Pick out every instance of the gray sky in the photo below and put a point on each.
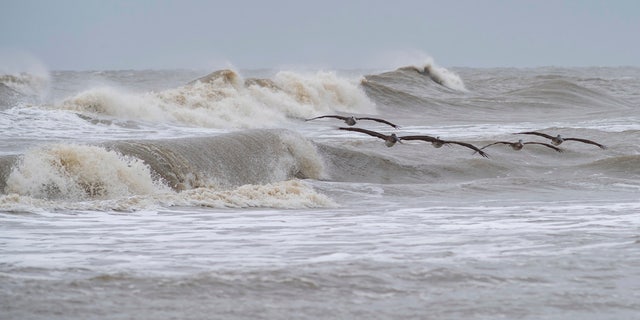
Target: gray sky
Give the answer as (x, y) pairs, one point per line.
(142, 34)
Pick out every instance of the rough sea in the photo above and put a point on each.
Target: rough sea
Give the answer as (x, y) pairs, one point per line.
(191, 194)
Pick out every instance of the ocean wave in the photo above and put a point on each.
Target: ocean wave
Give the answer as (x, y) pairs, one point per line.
(249, 157)
(79, 172)
(439, 75)
(122, 169)
(421, 77)
(413, 86)
(9, 97)
(563, 93)
(389, 96)
(625, 165)
(26, 83)
(347, 165)
(22, 88)
(155, 171)
(224, 161)
(223, 99)
(425, 165)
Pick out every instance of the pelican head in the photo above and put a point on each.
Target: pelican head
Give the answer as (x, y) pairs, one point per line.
(518, 145)
(557, 140)
(437, 143)
(391, 140)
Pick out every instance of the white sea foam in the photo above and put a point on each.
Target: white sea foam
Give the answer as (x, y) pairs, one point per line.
(79, 172)
(290, 194)
(441, 75)
(82, 177)
(226, 102)
(284, 194)
(117, 103)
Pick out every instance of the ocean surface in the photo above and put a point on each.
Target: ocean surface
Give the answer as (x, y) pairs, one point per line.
(204, 194)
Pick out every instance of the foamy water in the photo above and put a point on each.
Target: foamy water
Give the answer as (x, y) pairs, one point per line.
(182, 194)
(225, 100)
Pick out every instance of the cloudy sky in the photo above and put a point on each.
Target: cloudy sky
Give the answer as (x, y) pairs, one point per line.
(343, 34)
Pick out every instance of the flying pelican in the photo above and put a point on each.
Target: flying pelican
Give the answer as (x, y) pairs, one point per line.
(557, 140)
(352, 120)
(389, 140)
(519, 145)
(437, 143)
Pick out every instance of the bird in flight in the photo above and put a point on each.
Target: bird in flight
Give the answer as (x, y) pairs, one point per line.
(351, 120)
(557, 140)
(437, 143)
(389, 140)
(392, 139)
(518, 145)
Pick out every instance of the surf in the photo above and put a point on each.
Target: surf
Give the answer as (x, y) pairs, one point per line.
(223, 99)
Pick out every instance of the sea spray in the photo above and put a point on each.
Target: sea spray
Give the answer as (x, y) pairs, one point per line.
(80, 172)
(223, 100)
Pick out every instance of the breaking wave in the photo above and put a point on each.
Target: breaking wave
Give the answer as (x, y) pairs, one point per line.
(22, 88)
(258, 168)
(439, 75)
(223, 99)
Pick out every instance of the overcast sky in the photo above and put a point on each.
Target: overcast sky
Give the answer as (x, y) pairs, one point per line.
(146, 34)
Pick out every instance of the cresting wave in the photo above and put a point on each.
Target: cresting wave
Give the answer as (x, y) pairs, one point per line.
(248, 169)
(223, 99)
(226, 161)
(419, 77)
(414, 88)
(26, 83)
(22, 88)
(439, 75)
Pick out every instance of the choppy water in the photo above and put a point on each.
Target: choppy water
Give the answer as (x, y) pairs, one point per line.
(148, 195)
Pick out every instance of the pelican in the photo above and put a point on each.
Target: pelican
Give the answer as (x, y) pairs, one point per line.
(352, 120)
(519, 145)
(437, 143)
(389, 140)
(557, 140)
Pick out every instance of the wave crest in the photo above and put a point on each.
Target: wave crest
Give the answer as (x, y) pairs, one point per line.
(23, 88)
(257, 168)
(439, 75)
(223, 99)
(78, 172)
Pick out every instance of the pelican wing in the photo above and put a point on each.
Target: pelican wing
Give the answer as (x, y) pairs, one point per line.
(537, 134)
(546, 145)
(586, 141)
(497, 142)
(369, 132)
(423, 138)
(470, 146)
(328, 116)
(378, 120)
